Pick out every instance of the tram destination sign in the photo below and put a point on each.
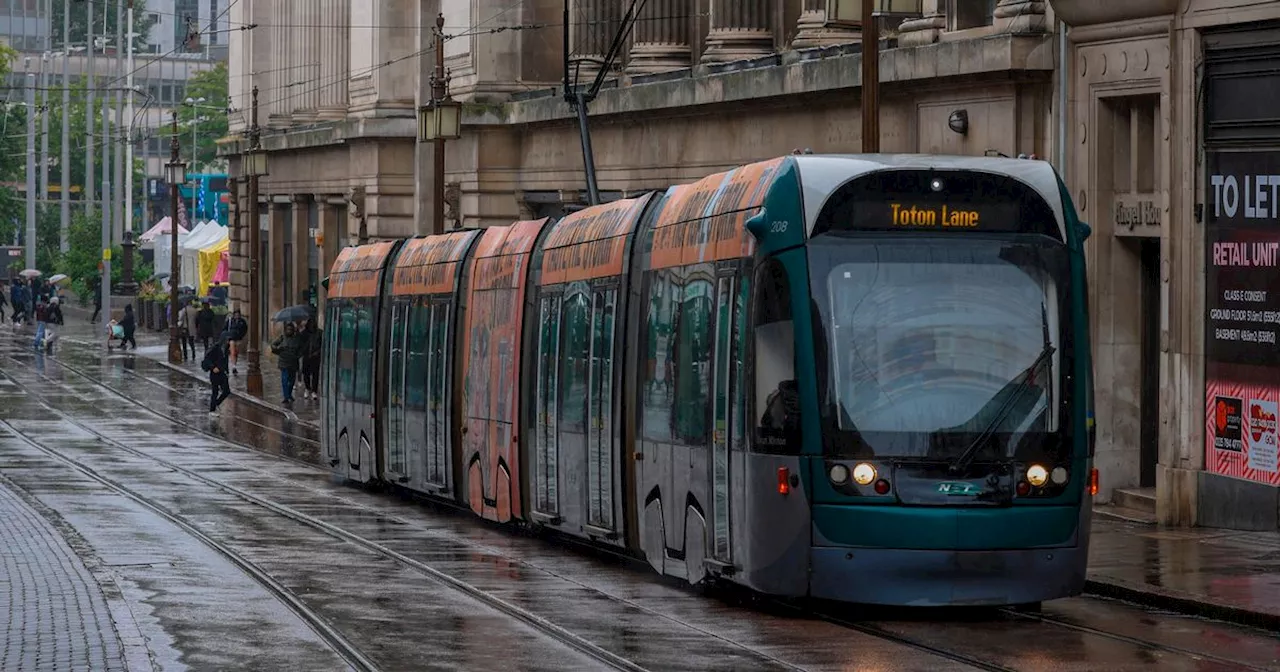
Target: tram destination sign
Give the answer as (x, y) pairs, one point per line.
(958, 215)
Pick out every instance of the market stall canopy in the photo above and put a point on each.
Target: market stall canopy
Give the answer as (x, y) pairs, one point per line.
(211, 259)
(161, 228)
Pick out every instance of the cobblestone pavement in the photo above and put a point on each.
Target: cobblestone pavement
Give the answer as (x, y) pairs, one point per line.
(55, 614)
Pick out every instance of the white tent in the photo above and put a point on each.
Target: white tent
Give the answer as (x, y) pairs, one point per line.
(204, 236)
(158, 233)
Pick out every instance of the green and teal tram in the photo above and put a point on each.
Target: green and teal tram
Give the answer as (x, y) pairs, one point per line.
(856, 378)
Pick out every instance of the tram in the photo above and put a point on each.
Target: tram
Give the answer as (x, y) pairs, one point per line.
(859, 378)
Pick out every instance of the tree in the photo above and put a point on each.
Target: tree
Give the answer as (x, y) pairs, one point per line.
(210, 117)
(79, 22)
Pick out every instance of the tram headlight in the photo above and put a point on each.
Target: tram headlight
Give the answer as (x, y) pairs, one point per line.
(1059, 475)
(1037, 475)
(839, 474)
(937, 184)
(864, 473)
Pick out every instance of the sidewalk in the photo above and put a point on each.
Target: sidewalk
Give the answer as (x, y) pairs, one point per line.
(1223, 574)
(55, 614)
(155, 345)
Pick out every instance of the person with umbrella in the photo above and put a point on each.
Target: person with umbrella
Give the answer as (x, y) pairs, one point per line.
(288, 350)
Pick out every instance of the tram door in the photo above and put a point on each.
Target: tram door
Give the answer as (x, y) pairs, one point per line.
(722, 403)
(600, 434)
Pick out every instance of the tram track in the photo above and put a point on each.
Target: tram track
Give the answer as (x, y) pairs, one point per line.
(867, 628)
(547, 627)
(331, 636)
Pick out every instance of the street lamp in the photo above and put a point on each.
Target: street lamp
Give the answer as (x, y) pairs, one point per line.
(193, 103)
(253, 163)
(439, 120)
(175, 173)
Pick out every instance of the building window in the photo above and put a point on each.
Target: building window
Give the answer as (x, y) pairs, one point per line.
(213, 21)
(965, 14)
(186, 12)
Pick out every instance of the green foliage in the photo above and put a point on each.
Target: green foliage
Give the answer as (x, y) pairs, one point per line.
(210, 117)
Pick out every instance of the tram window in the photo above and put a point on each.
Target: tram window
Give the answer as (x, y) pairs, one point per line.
(574, 354)
(694, 349)
(658, 390)
(776, 393)
(416, 374)
(364, 354)
(347, 352)
(739, 389)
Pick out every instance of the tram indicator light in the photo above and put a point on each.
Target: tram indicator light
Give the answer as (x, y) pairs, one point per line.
(784, 481)
(1093, 481)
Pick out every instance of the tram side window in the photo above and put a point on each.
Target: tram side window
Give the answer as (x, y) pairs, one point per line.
(346, 352)
(574, 356)
(662, 307)
(416, 371)
(364, 354)
(777, 401)
(694, 348)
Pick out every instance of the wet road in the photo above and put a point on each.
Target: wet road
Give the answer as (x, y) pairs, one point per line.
(237, 556)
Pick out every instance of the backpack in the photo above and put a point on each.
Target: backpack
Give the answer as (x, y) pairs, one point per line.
(209, 362)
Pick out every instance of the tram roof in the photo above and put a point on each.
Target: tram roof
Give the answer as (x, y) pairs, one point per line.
(820, 175)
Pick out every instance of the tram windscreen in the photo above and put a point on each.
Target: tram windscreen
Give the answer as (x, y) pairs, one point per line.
(927, 345)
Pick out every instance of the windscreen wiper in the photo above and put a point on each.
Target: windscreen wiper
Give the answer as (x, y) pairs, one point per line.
(1028, 381)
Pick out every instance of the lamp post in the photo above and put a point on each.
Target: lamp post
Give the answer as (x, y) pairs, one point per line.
(127, 286)
(176, 174)
(254, 165)
(194, 103)
(842, 11)
(439, 120)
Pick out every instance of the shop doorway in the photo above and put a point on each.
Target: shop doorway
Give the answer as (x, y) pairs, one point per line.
(1149, 390)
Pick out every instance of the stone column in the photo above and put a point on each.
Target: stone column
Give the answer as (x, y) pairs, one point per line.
(334, 57)
(595, 22)
(306, 56)
(661, 38)
(329, 249)
(274, 280)
(1021, 16)
(812, 30)
(302, 242)
(740, 29)
(927, 29)
(281, 98)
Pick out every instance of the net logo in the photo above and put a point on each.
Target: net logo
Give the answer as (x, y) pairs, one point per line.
(1228, 423)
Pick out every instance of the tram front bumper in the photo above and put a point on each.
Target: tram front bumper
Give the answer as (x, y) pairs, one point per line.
(942, 578)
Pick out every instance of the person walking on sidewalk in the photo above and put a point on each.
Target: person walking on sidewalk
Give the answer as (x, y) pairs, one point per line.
(204, 324)
(288, 350)
(235, 331)
(17, 297)
(215, 362)
(128, 325)
(41, 317)
(311, 342)
(3, 302)
(186, 335)
(95, 287)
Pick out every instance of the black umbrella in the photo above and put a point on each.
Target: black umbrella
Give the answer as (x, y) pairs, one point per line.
(299, 313)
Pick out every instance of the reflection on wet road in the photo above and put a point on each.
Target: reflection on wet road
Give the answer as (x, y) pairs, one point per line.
(371, 565)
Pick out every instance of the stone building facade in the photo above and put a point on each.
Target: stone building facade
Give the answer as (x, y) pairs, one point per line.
(1172, 146)
(700, 86)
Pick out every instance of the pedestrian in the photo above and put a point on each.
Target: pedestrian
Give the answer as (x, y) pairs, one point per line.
(186, 335)
(311, 342)
(235, 331)
(18, 299)
(95, 286)
(3, 302)
(128, 325)
(288, 352)
(41, 316)
(215, 362)
(204, 324)
(52, 316)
